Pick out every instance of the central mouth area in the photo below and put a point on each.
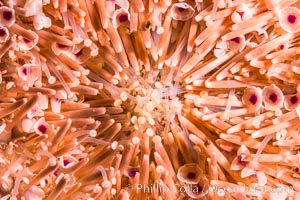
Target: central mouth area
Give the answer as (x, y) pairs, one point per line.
(151, 99)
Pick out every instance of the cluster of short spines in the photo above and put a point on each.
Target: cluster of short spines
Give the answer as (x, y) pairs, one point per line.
(143, 92)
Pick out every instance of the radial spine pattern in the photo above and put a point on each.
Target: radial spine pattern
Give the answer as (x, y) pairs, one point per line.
(148, 99)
